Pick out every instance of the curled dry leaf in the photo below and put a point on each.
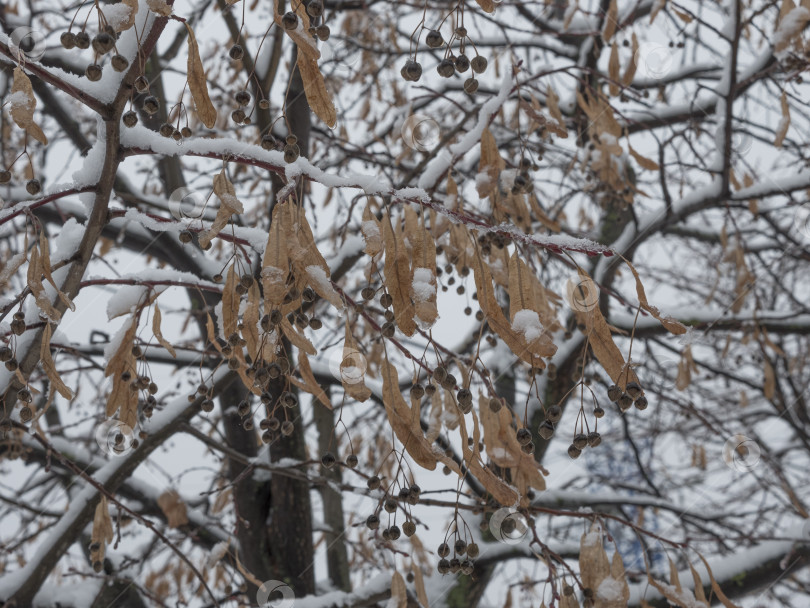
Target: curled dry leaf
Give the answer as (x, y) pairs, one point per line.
(102, 528)
(372, 234)
(23, 104)
(405, 420)
(613, 70)
(34, 281)
(611, 21)
(398, 276)
(552, 102)
(229, 205)
(399, 593)
(250, 321)
(670, 324)
(315, 89)
(45, 262)
(630, 71)
(160, 7)
(487, 5)
(121, 397)
(156, 321)
(784, 123)
(309, 384)
(49, 366)
(275, 263)
(423, 287)
(490, 166)
(197, 83)
(173, 508)
(604, 348)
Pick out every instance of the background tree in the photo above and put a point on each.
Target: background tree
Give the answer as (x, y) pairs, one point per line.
(346, 303)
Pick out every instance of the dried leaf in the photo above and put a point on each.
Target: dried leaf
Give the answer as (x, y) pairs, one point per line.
(643, 161)
(160, 7)
(122, 25)
(670, 324)
(298, 340)
(122, 399)
(611, 21)
(769, 384)
(311, 385)
(197, 82)
(399, 593)
(230, 303)
(398, 277)
(419, 583)
(552, 102)
(229, 205)
(156, 320)
(173, 508)
(315, 89)
(250, 321)
(656, 8)
(613, 70)
(630, 71)
(45, 261)
(371, 232)
(716, 587)
(487, 5)
(275, 263)
(49, 366)
(404, 419)
(490, 165)
(102, 523)
(784, 124)
(23, 104)
(593, 561)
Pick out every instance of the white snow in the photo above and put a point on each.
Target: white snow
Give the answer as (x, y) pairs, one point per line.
(423, 286)
(527, 322)
(610, 590)
(790, 25)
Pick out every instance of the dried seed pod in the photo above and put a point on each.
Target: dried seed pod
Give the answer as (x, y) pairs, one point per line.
(446, 68)
(372, 522)
(130, 119)
(641, 403)
(322, 32)
(470, 86)
(412, 70)
(5, 176)
(594, 439)
(151, 104)
(351, 461)
(462, 63)
(6, 354)
(625, 402)
(141, 84)
(417, 392)
(434, 39)
(373, 482)
(634, 390)
(409, 528)
(545, 430)
(465, 400)
(119, 63)
(207, 405)
(478, 64)
(83, 40)
(574, 452)
(598, 412)
(523, 436)
(394, 532)
(580, 440)
(444, 550)
(289, 21)
(495, 405)
(328, 460)
(614, 392)
(390, 505)
(443, 566)
(242, 97)
(93, 72)
(287, 428)
(68, 40)
(315, 8)
(554, 414)
(103, 43)
(33, 187)
(166, 130)
(236, 52)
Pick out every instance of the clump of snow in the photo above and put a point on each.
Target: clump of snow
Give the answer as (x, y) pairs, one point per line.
(117, 14)
(423, 286)
(527, 322)
(789, 26)
(20, 100)
(126, 300)
(370, 230)
(319, 280)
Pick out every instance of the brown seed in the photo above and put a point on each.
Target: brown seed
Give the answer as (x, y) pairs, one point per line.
(93, 72)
